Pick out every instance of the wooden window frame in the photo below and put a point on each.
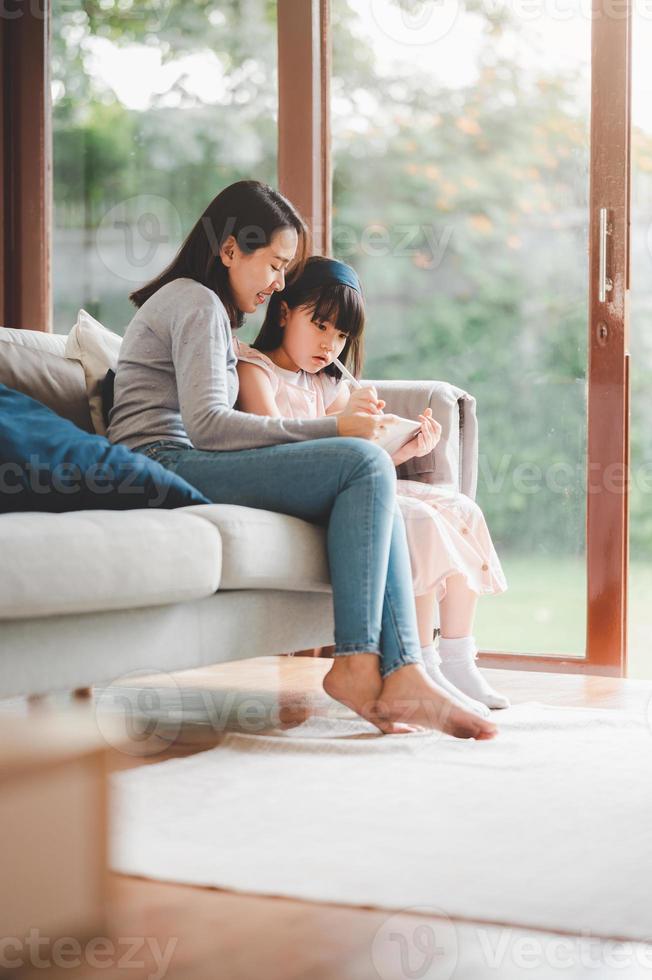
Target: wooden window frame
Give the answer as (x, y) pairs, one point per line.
(25, 166)
(305, 176)
(304, 157)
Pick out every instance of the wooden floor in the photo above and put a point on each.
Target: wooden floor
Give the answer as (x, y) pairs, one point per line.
(242, 937)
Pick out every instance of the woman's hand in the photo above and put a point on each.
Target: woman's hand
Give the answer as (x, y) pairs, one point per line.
(364, 400)
(423, 443)
(363, 425)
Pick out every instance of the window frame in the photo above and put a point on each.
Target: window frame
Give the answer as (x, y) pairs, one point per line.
(26, 167)
(304, 150)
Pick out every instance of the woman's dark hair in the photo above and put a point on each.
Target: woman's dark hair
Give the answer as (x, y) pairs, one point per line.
(328, 301)
(250, 211)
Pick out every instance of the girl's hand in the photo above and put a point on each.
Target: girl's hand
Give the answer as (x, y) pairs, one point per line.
(363, 425)
(364, 400)
(423, 443)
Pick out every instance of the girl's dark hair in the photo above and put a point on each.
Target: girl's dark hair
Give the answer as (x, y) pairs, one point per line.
(328, 301)
(250, 211)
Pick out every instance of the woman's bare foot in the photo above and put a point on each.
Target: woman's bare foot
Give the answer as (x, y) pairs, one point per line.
(408, 695)
(355, 682)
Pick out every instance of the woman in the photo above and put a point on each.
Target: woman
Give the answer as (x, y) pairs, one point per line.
(175, 388)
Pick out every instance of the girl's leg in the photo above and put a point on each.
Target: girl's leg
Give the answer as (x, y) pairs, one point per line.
(457, 649)
(348, 486)
(454, 614)
(426, 617)
(457, 608)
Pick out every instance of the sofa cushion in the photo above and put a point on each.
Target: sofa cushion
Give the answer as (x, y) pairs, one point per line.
(97, 349)
(33, 363)
(92, 561)
(39, 340)
(264, 550)
(48, 464)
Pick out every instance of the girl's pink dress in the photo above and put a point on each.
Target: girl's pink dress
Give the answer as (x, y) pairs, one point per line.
(446, 530)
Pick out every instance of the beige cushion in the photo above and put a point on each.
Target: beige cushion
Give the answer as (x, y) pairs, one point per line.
(53, 343)
(97, 349)
(30, 362)
(90, 561)
(263, 550)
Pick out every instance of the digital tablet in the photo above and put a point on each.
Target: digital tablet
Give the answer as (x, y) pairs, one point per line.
(397, 434)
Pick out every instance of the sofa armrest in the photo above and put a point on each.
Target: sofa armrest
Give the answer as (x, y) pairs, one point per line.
(454, 461)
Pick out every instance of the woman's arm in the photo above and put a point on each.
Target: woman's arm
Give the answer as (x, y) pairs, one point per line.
(200, 351)
(257, 396)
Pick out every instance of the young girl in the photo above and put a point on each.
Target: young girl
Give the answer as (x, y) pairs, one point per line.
(289, 372)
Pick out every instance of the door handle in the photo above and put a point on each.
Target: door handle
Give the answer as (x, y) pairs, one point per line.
(605, 284)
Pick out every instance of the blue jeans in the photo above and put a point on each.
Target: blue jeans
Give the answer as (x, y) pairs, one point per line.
(347, 486)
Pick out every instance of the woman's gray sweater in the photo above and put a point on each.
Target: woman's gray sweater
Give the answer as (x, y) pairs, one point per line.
(177, 380)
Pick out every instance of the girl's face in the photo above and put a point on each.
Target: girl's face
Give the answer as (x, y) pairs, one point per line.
(308, 345)
(255, 276)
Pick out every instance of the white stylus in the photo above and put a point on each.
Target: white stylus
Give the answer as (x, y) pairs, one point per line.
(347, 374)
(394, 419)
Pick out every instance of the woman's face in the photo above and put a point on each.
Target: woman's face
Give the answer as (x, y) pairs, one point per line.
(308, 345)
(255, 276)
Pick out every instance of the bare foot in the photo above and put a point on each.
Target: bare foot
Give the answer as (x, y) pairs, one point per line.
(355, 682)
(408, 695)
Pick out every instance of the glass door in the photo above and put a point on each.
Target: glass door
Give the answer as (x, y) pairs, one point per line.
(640, 569)
(462, 165)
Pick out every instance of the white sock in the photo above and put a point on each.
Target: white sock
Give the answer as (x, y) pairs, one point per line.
(431, 661)
(459, 667)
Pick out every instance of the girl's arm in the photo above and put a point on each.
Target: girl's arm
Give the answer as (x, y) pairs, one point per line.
(359, 400)
(256, 395)
(340, 402)
(423, 443)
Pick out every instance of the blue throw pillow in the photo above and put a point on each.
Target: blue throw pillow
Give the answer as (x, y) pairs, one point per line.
(48, 464)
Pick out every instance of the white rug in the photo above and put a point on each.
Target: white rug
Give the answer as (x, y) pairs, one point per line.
(547, 826)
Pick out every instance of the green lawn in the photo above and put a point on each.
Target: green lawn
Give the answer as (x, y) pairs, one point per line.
(543, 611)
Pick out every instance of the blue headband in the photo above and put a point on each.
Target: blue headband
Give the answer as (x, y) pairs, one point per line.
(328, 270)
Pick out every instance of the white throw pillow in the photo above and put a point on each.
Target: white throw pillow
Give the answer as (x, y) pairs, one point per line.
(97, 348)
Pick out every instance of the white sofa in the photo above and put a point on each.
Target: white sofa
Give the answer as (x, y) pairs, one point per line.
(88, 596)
